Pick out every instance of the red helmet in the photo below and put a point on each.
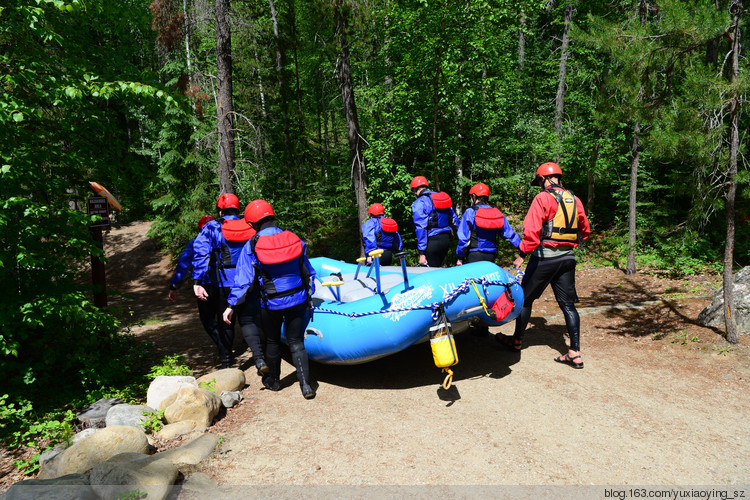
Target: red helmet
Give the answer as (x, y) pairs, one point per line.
(480, 190)
(544, 170)
(227, 200)
(204, 220)
(419, 181)
(376, 209)
(257, 210)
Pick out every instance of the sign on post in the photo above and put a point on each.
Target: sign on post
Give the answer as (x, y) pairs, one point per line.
(98, 205)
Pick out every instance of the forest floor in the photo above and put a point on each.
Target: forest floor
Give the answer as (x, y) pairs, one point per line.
(661, 400)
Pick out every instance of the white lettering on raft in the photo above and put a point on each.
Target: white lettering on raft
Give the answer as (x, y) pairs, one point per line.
(447, 289)
(409, 299)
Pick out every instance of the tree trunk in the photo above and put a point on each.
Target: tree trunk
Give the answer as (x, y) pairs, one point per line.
(280, 64)
(356, 143)
(564, 52)
(734, 144)
(522, 41)
(630, 267)
(224, 103)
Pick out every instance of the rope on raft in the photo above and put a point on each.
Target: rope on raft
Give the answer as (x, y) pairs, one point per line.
(462, 288)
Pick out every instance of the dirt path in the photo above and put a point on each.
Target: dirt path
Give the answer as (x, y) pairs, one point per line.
(660, 401)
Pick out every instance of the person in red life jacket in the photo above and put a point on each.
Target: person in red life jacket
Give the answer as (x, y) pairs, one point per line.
(380, 232)
(480, 226)
(434, 219)
(276, 260)
(554, 226)
(216, 252)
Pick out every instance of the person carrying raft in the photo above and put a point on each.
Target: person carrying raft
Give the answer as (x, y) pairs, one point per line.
(479, 228)
(380, 232)
(434, 219)
(277, 261)
(554, 226)
(217, 250)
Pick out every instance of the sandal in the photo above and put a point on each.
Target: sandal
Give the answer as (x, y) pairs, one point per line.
(511, 343)
(566, 359)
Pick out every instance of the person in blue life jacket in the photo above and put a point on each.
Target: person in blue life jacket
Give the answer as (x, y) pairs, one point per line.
(275, 262)
(381, 232)
(185, 264)
(434, 220)
(480, 226)
(207, 314)
(216, 251)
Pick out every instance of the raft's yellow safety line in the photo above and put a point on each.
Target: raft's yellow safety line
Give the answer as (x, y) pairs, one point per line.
(481, 299)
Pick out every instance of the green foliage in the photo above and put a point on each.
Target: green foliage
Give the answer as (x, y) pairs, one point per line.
(172, 365)
(154, 421)
(209, 386)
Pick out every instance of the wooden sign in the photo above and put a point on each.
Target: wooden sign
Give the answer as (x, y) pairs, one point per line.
(99, 205)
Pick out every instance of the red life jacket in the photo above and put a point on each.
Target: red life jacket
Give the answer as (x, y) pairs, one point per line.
(440, 216)
(236, 230)
(489, 218)
(486, 218)
(387, 226)
(277, 248)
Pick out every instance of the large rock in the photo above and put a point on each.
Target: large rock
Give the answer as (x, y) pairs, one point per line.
(164, 386)
(96, 414)
(53, 453)
(713, 315)
(228, 379)
(133, 472)
(191, 453)
(171, 431)
(97, 448)
(199, 405)
(70, 487)
(132, 415)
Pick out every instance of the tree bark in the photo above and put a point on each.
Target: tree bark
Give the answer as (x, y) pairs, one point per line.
(224, 102)
(356, 143)
(630, 268)
(734, 144)
(564, 53)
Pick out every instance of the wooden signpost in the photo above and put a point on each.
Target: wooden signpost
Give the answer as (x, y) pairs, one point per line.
(98, 205)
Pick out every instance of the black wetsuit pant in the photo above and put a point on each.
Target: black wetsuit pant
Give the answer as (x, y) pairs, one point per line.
(293, 320)
(223, 336)
(560, 272)
(437, 249)
(480, 257)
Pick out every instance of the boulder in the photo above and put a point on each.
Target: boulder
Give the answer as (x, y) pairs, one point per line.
(51, 454)
(132, 415)
(713, 315)
(191, 403)
(126, 473)
(191, 453)
(164, 386)
(228, 379)
(230, 399)
(70, 487)
(171, 431)
(97, 448)
(96, 414)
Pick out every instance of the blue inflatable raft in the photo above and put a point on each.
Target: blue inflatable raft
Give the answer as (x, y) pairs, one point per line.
(365, 313)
